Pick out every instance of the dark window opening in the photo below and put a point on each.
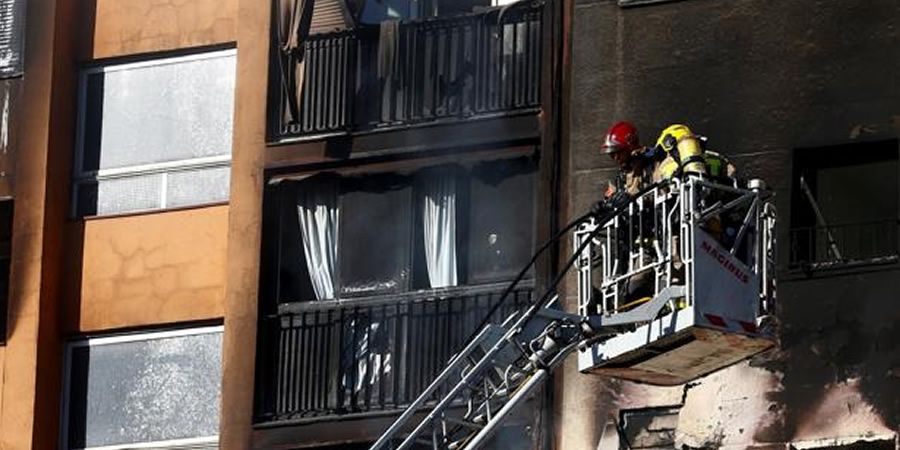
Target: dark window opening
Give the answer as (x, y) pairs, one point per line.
(375, 229)
(6, 224)
(651, 428)
(500, 221)
(845, 205)
(343, 237)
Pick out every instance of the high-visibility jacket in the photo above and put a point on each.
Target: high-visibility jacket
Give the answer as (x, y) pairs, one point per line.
(717, 166)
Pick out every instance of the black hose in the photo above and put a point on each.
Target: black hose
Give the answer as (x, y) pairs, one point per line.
(569, 263)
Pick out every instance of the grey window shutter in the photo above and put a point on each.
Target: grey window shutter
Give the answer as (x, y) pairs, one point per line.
(12, 34)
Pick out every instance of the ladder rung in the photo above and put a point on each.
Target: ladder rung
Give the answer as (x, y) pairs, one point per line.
(464, 423)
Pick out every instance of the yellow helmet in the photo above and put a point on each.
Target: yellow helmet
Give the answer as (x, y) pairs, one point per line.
(669, 137)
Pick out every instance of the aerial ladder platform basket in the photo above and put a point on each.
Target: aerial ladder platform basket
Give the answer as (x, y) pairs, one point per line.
(674, 285)
(710, 248)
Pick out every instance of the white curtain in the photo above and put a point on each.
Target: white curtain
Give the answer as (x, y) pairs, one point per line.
(439, 218)
(318, 213)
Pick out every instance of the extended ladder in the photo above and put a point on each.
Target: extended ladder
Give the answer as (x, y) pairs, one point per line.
(499, 369)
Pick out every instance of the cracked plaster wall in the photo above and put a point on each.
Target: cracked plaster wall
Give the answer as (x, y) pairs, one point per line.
(153, 268)
(123, 27)
(760, 78)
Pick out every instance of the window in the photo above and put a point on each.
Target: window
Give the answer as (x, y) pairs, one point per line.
(648, 428)
(845, 205)
(156, 389)
(12, 29)
(155, 134)
(6, 216)
(390, 233)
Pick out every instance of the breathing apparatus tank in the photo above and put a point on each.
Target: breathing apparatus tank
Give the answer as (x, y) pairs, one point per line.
(684, 147)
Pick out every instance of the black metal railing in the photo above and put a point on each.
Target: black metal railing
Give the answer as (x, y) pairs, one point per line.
(844, 245)
(443, 68)
(330, 358)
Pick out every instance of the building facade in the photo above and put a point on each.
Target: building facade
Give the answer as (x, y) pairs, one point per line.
(787, 91)
(268, 224)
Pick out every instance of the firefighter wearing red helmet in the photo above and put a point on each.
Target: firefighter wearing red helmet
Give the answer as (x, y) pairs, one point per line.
(623, 145)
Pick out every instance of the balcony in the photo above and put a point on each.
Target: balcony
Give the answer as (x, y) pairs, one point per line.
(439, 70)
(362, 357)
(845, 246)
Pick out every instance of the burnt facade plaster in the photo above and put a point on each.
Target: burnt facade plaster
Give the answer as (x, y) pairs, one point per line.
(760, 79)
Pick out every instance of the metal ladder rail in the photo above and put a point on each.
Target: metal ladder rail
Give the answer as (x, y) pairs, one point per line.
(539, 367)
(472, 377)
(491, 334)
(511, 331)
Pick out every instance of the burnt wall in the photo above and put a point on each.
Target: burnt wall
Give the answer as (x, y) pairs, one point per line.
(760, 79)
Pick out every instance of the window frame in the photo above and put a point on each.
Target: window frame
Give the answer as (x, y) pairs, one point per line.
(412, 285)
(82, 178)
(89, 341)
(829, 156)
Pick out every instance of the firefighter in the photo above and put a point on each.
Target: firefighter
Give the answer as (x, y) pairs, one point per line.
(685, 152)
(622, 144)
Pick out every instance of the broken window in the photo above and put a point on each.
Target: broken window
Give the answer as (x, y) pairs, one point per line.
(380, 234)
(155, 134)
(375, 230)
(845, 205)
(645, 428)
(650, 428)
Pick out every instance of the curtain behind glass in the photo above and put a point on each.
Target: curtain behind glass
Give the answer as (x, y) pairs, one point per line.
(317, 210)
(439, 219)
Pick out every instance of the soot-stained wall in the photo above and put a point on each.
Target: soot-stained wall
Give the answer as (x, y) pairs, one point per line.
(760, 78)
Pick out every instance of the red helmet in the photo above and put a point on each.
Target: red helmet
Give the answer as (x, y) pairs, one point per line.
(623, 136)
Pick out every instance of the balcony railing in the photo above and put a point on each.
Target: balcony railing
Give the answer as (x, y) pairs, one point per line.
(338, 358)
(846, 245)
(445, 68)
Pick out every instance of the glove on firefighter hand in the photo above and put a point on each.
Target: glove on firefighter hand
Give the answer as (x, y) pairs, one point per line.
(618, 200)
(600, 209)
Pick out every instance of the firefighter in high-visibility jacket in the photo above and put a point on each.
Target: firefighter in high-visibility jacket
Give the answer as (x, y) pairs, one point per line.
(683, 153)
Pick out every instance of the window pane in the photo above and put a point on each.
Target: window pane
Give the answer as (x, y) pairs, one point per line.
(12, 26)
(136, 193)
(858, 193)
(165, 110)
(375, 236)
(501, 220)
(192, 187)
(151, 390)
